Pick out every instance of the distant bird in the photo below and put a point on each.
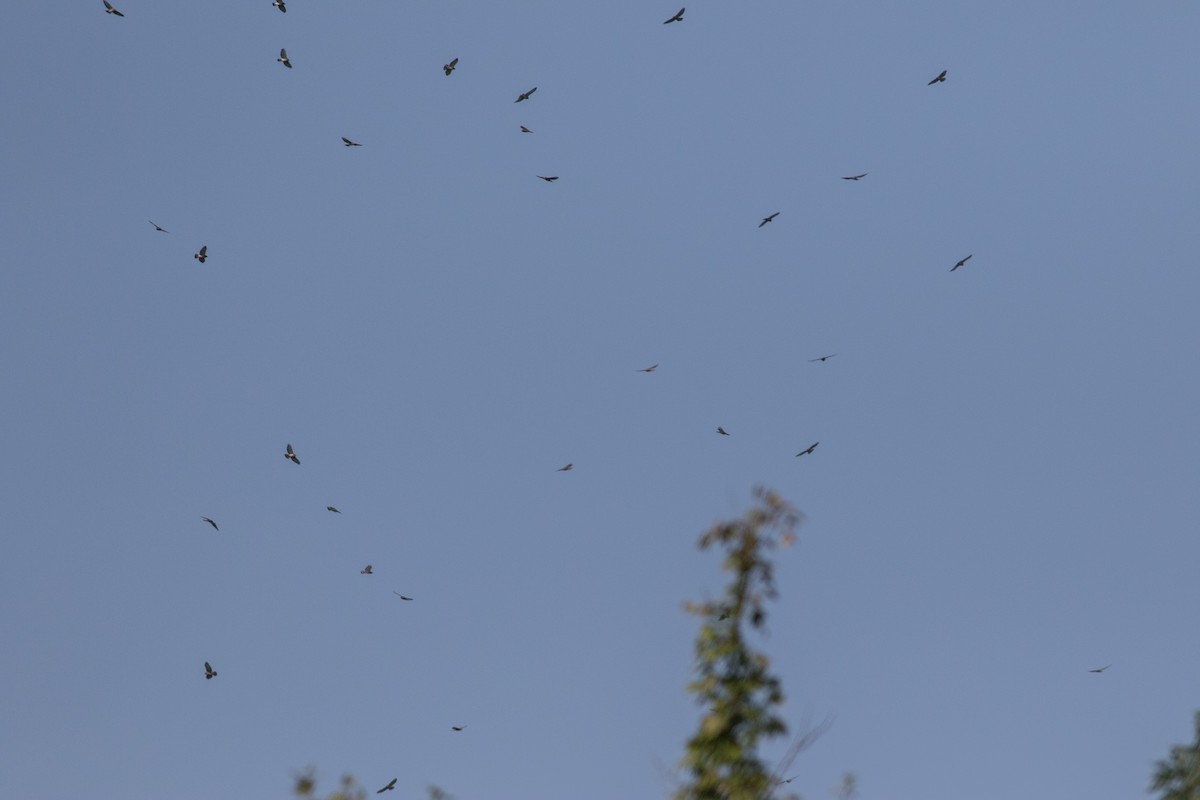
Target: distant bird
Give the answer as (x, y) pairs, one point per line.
(350, 143)
(402, 597)
(567, 468)
(808, 450)
(822, 358)
(768, 219)
(959, 264)
(202, 256)
(722, 431)
(677, 18)
(650, 368)
(448, 68)
(283, 59)
(156, 227)
(525, 95)
(290, 455)
(366, 570)
(525, 130)
(331, 508)
(941, 78)
(457, 727)
(108, 9)
(855, 177)
(209, 672)
(210, 522)
(391, 785)
(280, 5)
(1101, 669)
(551, 179)
(789, 780)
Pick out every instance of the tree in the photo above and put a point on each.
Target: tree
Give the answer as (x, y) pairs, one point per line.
(733, 681)
(1178, 776)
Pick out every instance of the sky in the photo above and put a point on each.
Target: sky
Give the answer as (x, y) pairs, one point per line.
(1005, 492)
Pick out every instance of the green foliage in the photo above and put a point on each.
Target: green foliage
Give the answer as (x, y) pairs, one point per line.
(733, 681)
(1178, 776)
(306, 786)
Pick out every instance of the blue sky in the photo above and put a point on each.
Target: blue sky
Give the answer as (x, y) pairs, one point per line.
(1004, 495)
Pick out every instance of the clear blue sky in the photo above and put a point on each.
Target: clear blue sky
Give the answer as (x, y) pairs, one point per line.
(1005, 493)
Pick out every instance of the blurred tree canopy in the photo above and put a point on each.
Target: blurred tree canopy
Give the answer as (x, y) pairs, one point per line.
(1178, 776)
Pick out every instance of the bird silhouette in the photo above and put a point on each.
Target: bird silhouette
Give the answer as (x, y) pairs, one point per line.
(290, 455)
(210, 522)
(202, 256)
(366, 570)
(401, 596)
(822, 358)
(1100, 669)
(960, 263)
(448, 68)
(808, 450)
(280, 5)
(722, 431)
(331, 508)
(391, 785)
(567, 468)
(458, 727)
(523, 96)
(283, 58)
(650, 368)
(350, 143)
(209, 672)
(677, 18)
(855, 177)
(551, 179)
(156, 227)
(108, 9)
(768, 219)
(941, 78)
(525, 130)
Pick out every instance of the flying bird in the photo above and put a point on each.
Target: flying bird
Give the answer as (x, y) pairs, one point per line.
(822, 358)
(457, 727)
(391, 785)
(331, 508)
(650, 368)
(350, 143)
(210, 522)
(283, 59)
(855, 177)
(939, 79)
(525, 95)
(677, 18)
(722, 431)
(551, 179)
(156, 227)
(768, 219)
(1101, 669)
(202, 256)
(808, 450)
(448, 68)
(567, 468)
(959, 264)
(366, 570)
(401, 596)
(280, 5)
(209, 672)
(525, 130)
(290, 455)
(108, 9)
